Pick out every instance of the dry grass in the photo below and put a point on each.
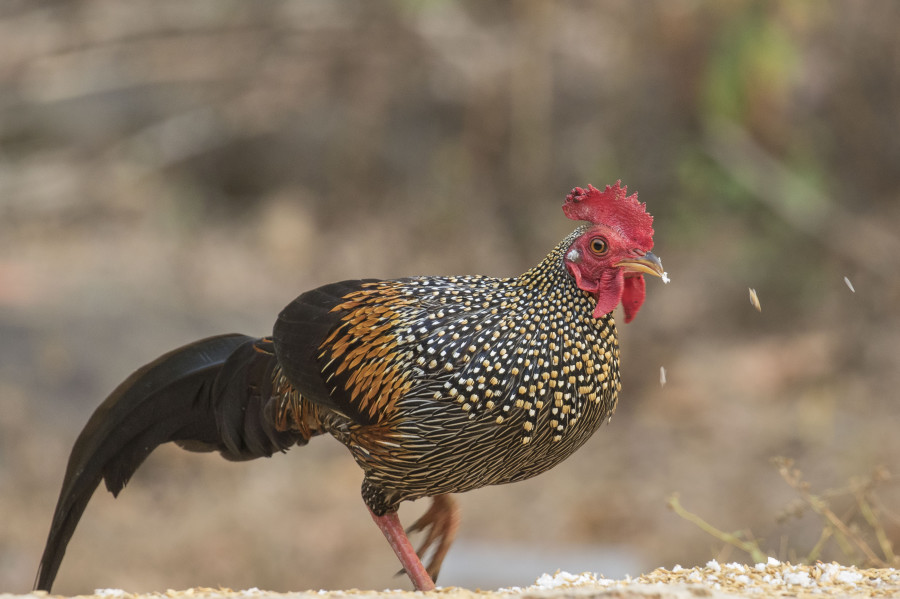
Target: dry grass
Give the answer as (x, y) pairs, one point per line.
(859, 532)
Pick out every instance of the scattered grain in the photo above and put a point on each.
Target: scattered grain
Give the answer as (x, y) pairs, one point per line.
(754, 299)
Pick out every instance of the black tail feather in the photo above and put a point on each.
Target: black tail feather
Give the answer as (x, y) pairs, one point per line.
(210, 395)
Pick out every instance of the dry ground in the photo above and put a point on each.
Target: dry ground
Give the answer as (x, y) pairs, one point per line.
(715, 580)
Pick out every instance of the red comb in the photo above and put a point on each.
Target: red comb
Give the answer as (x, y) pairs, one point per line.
(613, 208)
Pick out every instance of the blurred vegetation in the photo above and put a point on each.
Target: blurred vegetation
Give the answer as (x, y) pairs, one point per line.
(858, 532)
(176, 169)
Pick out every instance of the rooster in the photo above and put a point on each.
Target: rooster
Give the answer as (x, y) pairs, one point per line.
(436, 385)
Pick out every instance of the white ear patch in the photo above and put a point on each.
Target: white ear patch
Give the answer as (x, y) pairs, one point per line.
(573, 256)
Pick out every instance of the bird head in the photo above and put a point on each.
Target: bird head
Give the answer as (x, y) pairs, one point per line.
(612, 254)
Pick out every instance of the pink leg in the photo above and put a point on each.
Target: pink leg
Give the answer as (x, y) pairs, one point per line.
(393, 531)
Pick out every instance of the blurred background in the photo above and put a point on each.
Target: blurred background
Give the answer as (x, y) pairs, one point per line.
(171, 170)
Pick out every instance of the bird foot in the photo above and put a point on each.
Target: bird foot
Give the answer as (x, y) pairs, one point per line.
(440, 523)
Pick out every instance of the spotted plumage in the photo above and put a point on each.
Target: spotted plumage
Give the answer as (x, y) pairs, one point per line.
(461, 382)
(436, 385)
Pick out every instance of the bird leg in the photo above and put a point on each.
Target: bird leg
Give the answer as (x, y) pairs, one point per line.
(393, 531)
(440, 522)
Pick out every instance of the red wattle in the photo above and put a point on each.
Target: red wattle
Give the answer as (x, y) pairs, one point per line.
(633, 295)
(608, 292)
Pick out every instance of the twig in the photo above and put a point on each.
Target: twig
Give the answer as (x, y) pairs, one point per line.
(818, 505)
(872, 519)
(751, 547)
(816, 551)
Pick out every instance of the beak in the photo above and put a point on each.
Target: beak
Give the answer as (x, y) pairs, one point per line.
(647, 264)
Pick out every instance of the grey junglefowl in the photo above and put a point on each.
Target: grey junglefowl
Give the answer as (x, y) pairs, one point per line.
(436, 385)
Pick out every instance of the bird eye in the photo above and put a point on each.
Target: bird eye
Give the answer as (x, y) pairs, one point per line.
(599, 245)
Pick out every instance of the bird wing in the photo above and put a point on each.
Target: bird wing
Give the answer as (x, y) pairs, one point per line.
(360, 347)
(325, 351)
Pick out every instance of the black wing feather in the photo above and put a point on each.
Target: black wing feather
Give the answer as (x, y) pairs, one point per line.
(298, 335)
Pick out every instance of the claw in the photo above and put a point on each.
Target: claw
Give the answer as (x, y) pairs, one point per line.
(440, 523)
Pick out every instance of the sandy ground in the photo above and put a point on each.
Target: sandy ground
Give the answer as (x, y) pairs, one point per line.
(774, 579)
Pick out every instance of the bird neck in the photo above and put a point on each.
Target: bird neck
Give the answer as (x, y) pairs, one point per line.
(551, 277)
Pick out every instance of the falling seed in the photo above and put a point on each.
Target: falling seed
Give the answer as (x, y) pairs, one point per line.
(755, 300)
(662, 376)
(665, 278)
(849, 284)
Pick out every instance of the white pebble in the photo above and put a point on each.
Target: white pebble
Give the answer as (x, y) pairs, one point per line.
(799, 578)
(828, 572)
(848, 576)
(563, 579)
(849, 284)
